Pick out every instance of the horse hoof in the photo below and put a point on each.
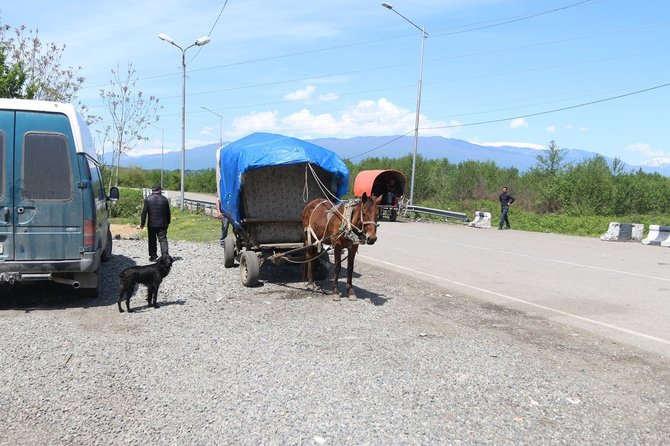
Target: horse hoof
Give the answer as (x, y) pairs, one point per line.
(353, 297)
(336, 297)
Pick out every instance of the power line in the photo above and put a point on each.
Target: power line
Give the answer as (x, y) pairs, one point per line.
(507, 21)
(381, 145)
(546, 112)
(515, 117)
(352, 44)
(211, 30)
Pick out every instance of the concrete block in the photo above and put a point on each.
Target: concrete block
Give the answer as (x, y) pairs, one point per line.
(658, 236)
(623, 232)
(482, 220)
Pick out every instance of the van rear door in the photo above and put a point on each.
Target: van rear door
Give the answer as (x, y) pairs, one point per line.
(47, 209)
(6, 182)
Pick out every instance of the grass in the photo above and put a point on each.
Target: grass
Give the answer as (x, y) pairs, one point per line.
(561, 223)
(193, 227)
(185, 226)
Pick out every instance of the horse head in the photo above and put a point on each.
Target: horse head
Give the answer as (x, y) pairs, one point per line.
(365, 219)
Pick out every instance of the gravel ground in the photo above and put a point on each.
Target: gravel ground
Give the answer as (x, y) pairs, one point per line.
(218, 363)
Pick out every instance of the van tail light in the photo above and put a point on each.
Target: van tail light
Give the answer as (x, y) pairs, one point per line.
(89, 233)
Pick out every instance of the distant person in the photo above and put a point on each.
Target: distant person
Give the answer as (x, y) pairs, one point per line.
(157, 209)
(393, 189)
(224, 222)
(505, 200)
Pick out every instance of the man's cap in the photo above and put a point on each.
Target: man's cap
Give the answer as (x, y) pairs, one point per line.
(156, 187)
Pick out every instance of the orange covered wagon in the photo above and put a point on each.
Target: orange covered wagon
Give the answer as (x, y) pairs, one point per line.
(388, 183)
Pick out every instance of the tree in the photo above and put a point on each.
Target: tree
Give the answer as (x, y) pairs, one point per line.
(42, 63)
(552, 161)
(618, 166)
(549, 175)
(131, 112)
(12, 80)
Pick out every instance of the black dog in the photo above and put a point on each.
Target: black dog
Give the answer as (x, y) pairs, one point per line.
(149, 275)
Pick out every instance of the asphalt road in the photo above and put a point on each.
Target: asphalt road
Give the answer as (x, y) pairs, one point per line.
(620, 290)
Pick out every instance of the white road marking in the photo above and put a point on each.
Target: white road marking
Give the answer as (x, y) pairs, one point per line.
(511, 253)
(515, 299)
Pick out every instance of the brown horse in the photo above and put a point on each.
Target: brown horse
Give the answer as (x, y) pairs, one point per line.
(343, 226)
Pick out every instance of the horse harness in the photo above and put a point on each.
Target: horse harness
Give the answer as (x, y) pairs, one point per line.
(347, 229)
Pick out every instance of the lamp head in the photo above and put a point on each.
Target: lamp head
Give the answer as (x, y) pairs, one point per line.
(202, 41)
(166, 38)
(387, 6)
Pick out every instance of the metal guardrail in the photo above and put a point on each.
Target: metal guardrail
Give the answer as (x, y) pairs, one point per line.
(210, 209)
(439, 212)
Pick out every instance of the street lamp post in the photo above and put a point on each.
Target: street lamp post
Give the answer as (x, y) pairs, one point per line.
(162, 146)
(220, 125)
(424, 35)
(200, 42)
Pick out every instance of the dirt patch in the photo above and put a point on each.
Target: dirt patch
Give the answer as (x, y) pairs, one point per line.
(125, 232)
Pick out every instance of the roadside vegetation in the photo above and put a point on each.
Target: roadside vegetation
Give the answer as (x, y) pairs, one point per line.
(185, 225)
(555, 196)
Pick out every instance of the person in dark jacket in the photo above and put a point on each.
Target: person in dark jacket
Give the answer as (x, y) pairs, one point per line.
(157, 209)
(224, 222)
(505, 200)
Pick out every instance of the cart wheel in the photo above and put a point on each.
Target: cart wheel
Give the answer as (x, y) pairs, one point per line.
(394, 215)
(321, 267)
(249, 268)
(229, 251)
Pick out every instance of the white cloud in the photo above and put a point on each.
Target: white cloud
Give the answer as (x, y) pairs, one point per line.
(645, 150)
(649, 155)
(367, 118)
(328, 97)
(207, 131)
(254, 122)
(526, 145)
(551, 129)
(518, 123)
(657, 162)
(301, 95)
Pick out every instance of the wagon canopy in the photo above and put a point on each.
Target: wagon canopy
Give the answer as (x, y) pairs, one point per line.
(260, 150)
(373, 182)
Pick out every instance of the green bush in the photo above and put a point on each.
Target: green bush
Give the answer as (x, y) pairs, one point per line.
(129, 204)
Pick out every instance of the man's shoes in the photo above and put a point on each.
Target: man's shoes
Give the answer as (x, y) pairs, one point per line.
(153, 258)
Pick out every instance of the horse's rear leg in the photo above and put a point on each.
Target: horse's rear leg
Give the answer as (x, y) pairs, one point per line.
(309, 255)
(350, 272)
(336, 272)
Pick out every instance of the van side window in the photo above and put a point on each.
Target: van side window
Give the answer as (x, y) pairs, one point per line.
(96, 180)
(2, 164)
(46, 167)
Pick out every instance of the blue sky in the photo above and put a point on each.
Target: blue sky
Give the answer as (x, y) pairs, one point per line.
(350, 68)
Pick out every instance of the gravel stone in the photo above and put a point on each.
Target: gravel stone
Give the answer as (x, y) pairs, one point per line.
(219, 363)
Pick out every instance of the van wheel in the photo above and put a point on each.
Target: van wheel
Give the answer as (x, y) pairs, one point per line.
(107, 253)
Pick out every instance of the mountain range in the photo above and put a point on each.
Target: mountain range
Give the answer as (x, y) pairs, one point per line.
(361, 147)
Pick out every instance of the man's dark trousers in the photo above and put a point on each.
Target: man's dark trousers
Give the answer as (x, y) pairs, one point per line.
(503, 217)
(161, 234)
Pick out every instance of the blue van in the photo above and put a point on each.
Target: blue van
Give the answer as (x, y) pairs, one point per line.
(54, 212)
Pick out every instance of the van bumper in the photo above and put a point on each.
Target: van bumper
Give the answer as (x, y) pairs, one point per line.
(36, 270)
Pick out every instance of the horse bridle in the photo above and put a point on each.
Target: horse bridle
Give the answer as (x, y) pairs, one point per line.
(360, 232)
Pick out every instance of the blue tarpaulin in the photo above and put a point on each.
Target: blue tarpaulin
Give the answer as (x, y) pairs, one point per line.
(260, 150)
